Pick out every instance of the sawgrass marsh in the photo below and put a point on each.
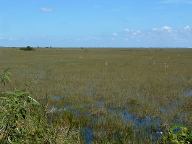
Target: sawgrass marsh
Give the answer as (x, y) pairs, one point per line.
(114, 94)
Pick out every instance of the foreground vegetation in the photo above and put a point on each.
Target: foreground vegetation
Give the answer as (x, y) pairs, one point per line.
(105, 96)
(25, 120)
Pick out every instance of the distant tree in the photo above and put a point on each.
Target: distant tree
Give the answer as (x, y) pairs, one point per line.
(28, 48)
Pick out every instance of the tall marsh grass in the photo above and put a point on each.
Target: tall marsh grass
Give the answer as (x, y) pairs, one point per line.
(148, 84)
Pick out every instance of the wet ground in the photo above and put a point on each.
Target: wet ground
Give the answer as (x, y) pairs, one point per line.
(150, 126)
(188, 93)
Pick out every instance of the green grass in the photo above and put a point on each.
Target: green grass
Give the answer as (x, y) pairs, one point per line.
(141, 81)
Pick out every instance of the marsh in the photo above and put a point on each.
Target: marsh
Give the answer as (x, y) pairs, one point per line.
(133, 91)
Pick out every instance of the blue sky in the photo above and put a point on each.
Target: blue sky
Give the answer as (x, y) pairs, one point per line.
(96, 23)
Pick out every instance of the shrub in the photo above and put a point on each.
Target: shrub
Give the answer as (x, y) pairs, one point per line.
(178, 135)
(22, 119)
(5, 76)
(28, 48)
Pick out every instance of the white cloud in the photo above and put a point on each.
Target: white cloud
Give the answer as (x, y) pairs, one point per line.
(187, 28)
(167, 29)
(164, 29)
(132, 32)
(46, 9)
(137, 32)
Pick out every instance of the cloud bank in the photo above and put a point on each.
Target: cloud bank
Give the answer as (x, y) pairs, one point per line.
(164, 36)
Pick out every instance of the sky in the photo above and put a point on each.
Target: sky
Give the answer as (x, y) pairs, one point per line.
(96, 23)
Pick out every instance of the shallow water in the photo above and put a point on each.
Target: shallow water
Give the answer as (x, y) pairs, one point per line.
(87, 134)
(100, 104)
(56, 98)
(148, 126)
(188, 93)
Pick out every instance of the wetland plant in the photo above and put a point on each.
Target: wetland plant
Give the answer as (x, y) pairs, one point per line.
(24, 120)
(178, 135)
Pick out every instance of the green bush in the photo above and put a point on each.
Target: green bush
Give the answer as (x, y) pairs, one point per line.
(28, 48)
(22, 119)
(5, 76)
(178, 135)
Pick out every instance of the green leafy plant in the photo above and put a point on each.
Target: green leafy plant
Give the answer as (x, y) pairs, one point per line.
(22, 119)
(178, 135)
(5, 76)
